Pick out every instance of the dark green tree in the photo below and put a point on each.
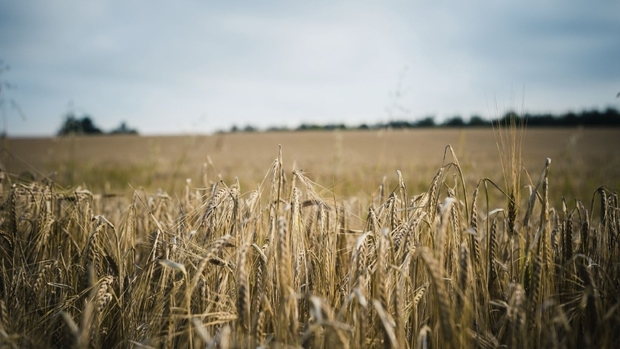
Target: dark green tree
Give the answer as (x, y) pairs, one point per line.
(455, 121)
(477, 121)
(89, 127)
(123, 129)
(75, 126)
(426, 122)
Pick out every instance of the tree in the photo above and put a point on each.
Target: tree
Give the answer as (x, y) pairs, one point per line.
(477, 121)
(426, 122)
(124, 130)
(75, 126)
(89, 127)
(249, 128)
(455, 121)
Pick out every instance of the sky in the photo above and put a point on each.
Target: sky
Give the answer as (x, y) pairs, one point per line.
(194, 67)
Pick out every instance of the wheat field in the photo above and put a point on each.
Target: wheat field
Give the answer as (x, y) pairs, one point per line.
(325, 250)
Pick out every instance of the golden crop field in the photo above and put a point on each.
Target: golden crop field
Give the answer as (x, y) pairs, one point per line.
(345, 239)
(345, 162)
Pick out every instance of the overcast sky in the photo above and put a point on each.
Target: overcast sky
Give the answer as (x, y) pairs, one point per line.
(198, 66)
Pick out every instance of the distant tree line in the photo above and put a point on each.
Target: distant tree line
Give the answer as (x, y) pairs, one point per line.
(85, 126)
(609, 117)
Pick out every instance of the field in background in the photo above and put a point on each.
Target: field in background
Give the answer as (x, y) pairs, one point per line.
(345, 163)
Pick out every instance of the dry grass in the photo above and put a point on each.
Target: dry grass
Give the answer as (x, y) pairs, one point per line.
(286, 263)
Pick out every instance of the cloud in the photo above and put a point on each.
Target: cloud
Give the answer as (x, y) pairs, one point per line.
(161, 66)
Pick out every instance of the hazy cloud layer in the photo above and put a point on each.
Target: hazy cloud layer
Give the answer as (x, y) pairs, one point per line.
(199, 66)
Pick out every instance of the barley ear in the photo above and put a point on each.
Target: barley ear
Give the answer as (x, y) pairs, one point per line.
(243, 291)
(441, 297)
